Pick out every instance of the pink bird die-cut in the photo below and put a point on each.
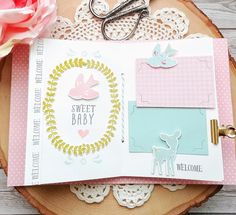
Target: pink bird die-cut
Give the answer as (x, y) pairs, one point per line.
(83, 132)
(83, 90)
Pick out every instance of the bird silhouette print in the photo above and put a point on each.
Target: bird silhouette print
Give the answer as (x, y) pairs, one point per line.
(162, 59)
(82, 89)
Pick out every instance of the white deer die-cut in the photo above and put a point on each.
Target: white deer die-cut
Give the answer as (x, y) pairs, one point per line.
(166, 155)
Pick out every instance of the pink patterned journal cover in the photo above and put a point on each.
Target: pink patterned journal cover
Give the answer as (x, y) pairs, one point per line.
(18, 121)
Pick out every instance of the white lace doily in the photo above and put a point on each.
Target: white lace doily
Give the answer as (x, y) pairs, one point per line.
(127, 195)
(132, 196)
(90, 193)
(167, 23)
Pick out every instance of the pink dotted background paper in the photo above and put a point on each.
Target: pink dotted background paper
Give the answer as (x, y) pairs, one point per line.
(18, 122)
(188, 84)
(18, 116)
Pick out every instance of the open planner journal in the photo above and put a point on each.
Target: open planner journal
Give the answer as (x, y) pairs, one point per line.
(121, 112)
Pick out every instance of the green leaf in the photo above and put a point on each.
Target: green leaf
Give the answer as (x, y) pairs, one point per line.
(51, 89)
(113, 90)
(53, 77)
(50, 116)
(51, 128)
(110, 75)
(97, 146)
(56, 73)
(104, 141)
(49, 111)
(113, 116)
(112, 121)
(101, 67)
(88, 64)
(111, 127)
(52, 134)
(61, 145)
(112, 79)
(87, 148)
(50, 94)
(62, 67)
(51, 122)
(92, 63)
(49, 99)
(59, 69)
(113, 85)
(65, 148)
(58, 142)
(101, 143)
(115, 111)
(110, 133)
(108, 138)
(52, 83)
(71, 63)
(76, 150)
(55, 139)
(76, 62)
(117, 106)
(97, 64)
(81, 62)
(70, 149)
(114, 96)
(114, 101)
(67, 64)
(92, 147)
(106, 70)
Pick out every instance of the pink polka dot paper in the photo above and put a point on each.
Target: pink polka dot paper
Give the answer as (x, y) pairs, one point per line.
(18, 116)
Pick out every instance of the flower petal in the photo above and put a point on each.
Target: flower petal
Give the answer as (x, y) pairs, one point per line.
(20, 3)
(42, 11)
(26, 35)
(2, 30)
(6, 48)
(23, 25)
(16, 15)
(7, 4)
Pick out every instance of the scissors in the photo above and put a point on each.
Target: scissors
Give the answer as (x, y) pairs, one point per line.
(119, 12)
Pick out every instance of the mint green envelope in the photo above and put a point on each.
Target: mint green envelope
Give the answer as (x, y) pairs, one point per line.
(146, 124)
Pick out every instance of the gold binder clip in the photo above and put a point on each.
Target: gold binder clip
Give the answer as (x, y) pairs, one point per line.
(223, 131)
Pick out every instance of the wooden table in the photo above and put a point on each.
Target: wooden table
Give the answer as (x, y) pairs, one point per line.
(223, 14)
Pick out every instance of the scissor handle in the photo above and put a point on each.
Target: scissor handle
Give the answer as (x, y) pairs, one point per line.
(112, 12)
(116, 13)
(143, 12)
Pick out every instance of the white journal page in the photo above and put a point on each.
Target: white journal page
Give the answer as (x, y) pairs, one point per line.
(94, 111)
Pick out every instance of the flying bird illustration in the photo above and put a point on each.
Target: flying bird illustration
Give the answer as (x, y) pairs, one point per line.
(162, 59)
(82, 89)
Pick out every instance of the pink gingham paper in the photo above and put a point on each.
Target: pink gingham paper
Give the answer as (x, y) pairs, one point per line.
(188, 84)
(18, 122)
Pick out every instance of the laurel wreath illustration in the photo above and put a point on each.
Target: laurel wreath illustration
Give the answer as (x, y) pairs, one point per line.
(49, 112)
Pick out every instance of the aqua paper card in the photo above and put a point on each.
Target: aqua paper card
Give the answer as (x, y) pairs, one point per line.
(146, 124)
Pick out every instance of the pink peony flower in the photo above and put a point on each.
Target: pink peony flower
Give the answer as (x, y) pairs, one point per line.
(21, 21)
